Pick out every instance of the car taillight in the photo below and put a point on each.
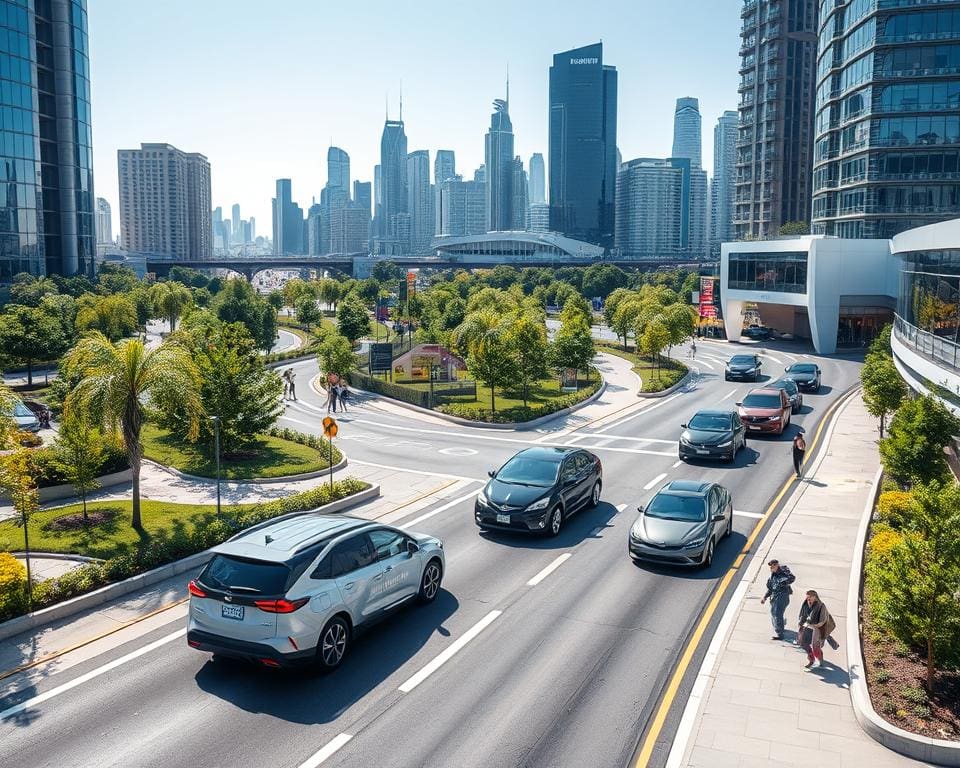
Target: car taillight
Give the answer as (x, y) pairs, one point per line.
(194, 589)
(281, 606)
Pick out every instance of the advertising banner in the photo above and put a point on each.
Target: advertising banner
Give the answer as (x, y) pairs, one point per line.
(381, 358)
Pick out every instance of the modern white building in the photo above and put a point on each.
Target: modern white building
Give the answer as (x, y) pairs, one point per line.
(516, 248)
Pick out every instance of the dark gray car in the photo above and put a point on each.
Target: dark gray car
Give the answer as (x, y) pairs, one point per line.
(712, 435)
(793, 392)
(682, 524)
(743, 368)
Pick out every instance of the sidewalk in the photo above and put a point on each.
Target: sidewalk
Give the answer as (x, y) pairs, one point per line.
(757, 706)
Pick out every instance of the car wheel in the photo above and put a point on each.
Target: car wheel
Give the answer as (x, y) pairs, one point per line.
(334, 643)
(708, 555)
(818, 387)
(430, 582)
(732, 457)
(556, 522)
(729, 525)
(595, 495)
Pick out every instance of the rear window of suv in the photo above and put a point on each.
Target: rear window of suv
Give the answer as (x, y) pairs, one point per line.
(252, 577)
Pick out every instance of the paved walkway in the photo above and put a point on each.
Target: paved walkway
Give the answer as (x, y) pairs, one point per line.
(756, 705)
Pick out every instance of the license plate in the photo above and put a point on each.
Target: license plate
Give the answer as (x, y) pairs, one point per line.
(702, 452)
(754, 427)
(234, 612)
(503, 519)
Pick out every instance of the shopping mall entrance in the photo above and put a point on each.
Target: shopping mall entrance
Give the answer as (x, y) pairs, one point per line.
(858, 326)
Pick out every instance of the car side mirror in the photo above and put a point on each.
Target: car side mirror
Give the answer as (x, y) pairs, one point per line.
(492, 472)
(739, 405)
(683, 426)
(640, 509)
(718, 517)
(412, 547)
(786, 369)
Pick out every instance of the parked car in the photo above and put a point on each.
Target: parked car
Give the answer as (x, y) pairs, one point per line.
(24, 418)
(758, 332)
(807, 376)
(743, 368)
(682, 524)
(298, 590)
(793, 392)
(765, 410)
(538, 489)
(712, 435)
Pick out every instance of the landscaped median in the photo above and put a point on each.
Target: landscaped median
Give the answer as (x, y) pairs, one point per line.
(655, 377)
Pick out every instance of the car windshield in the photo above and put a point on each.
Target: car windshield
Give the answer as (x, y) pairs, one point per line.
(21, 410)
(785, 384)
(741, 360)
(802, 368)
(761, 401)
(246, 576)
(669, 507)
(712, 422)
(525, 470)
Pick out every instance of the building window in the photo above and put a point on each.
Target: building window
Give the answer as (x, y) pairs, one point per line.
(784, 272)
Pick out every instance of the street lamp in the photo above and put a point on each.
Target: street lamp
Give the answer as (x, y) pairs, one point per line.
(216, 451)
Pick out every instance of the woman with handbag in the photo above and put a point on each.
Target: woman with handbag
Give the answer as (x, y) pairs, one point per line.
(816, 625)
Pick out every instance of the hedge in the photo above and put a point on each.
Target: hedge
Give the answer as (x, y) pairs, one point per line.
(50, 474)
(13, 585)
(318, 442)
(519, 413)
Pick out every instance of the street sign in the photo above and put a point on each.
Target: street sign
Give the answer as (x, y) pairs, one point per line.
(329, 427)
(381, 358)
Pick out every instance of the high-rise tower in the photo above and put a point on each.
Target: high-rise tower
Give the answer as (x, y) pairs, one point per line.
(536, 179)
(393, 198)
(687, 140)
(723, 190)
(499, 164)
(338, 170)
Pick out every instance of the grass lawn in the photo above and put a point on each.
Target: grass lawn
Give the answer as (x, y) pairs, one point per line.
(115, 535)
(271, 457)
(545, 397)
(671, 371)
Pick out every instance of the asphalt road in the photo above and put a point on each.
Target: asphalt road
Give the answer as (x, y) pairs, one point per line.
(551, 668)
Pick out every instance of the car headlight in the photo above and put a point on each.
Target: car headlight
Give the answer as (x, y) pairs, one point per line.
(539, 504)
(635, 534)
(685, 438)
(725, 445)
(482, 499)
(695, 542)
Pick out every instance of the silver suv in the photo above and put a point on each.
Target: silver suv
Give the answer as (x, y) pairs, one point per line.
(296, 590)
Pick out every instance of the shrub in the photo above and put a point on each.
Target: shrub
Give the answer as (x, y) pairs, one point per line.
(49, 473)
(889, 484)
(880, 546)
(893, 507)
(477, 412)
(921, 710)
(13, 586)
(914, 694)
(882, 677)
(887, 707)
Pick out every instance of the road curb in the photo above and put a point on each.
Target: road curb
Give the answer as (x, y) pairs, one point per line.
(80, 603)
(257, 480)
(289, 361)
(669, 390)
(922, 748)
(58, 556)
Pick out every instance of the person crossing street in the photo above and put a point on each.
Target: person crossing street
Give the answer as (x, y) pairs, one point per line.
(799, 449)
(778, 593)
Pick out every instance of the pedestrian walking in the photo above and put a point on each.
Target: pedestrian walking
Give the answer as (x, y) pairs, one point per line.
(799, 448)
(286, 386)
(778, 593)
(693, 349)
(816, 626)
(331, 397)
(342, 393)
(291, 376)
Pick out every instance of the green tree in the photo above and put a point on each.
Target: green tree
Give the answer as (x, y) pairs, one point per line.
(883, 388)
(352, 319)
(913, 590)
(63, 308)
(30, 334)
(625, 317)
(79, 455)
(275, 299)
(116, 381)
(489, 357)
(601, 279)
(912, 453)
(881, 343)
(335, 355)
(613, 302)
(526, 335)
(329, 292)
(655, 338)
(679, 320)
(170, 299)
(18, 479)
(368, 291)
(142, 304)
(794, 228)
(30, 290)
(113, 315)
(237, 302)
(115, 278)
(308, 313)
(189, 277)
(386, 271)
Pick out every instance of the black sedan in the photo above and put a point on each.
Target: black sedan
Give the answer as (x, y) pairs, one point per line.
(538, 489)
(712, 435)
(793, 392)
(758, 332)
(743, 368)
(807, 376)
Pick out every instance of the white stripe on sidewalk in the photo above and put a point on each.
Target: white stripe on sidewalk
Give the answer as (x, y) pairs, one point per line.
(438, 510)
(450, 652)
(413, 471)
(549, 569)
(94, 673)
(655, 480)
(328, 750)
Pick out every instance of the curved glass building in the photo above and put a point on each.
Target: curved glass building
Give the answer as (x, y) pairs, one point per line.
(887, 152)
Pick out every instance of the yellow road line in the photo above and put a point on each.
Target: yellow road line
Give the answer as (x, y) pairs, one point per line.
(673, 687)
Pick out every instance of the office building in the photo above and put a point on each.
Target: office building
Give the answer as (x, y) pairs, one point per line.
(661, 207)
(420, 204)
(349, 230)
(165, 202)
(520, 201)
(362, 197)
(444, 166)
(536, 185)
(217, 230)
(48, 211)
(498, 160)
(538, 218)
(288, 223)
(451, 207)
(775, 141)
(318, 233)
(253, 230)
(338, 170)
(236, 227)
(723, 189)
(475, 204)
(583, 145)
(104, 222)
(887, 119)
(687, 139)
(393, 197)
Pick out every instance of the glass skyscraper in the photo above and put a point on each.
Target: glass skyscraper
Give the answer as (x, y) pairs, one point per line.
(583, 145)
(687, 138)
(47, 204)
(499, 163)
(887, 153)
(392, 200)
(724, 187)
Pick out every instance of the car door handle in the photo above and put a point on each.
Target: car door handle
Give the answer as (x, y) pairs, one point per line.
(348, 585)
(388, 569)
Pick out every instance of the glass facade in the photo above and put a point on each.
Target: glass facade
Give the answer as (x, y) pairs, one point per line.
(583, 145)
(784, 272)
(928, 310)
(887, 117)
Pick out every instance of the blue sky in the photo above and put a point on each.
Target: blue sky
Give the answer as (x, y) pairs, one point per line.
(262, 89)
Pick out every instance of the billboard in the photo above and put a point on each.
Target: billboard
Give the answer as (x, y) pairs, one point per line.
(707, 306)
(381, 358)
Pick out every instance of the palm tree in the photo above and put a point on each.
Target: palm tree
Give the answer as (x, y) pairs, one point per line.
(169, 299)
(114, 382)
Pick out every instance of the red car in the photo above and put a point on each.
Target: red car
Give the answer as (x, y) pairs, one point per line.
(765, 410)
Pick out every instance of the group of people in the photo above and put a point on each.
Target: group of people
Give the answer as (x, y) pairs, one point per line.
(289, 384)
(815, 625)
(337, 393)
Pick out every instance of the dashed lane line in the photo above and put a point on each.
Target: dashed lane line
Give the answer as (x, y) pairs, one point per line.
(438, 510)
(754, 515)
(632, 416)
(655, 480)
(549, 569)
(729, 394)
(328, 750)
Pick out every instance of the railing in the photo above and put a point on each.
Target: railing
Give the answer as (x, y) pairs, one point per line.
(929, 345)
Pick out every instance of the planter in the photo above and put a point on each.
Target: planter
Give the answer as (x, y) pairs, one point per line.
(259, 480)
(54, 492)
(668, 390)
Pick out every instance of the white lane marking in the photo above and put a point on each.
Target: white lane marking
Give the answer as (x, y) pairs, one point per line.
(572, 440)
(639, 413)
(450, 652)
(94, 673)
(787, 354)
(413, 471)
(458, 451)
(655, 480)
(729, 394)
(328, 750)
(444, 508)
(754, 515)
(717, 360)
(621, 507)
(696, 361)
(595, 531)
(676, 464)
(640, 451)
(771, 357)
(634, 439)
(549, 569)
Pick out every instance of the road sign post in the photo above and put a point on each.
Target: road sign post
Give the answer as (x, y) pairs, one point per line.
(330, 431)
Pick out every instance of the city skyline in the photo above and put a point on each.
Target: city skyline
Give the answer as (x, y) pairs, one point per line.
(277, 137)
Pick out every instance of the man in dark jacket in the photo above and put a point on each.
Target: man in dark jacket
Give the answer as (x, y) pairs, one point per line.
(778, 593)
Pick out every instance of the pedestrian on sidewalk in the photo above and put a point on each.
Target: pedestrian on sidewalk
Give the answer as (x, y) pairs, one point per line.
(816, 625)
(331, 397)
(291, 376)
(286, 386)
(693, 349)
(778, 593)
(799, 449)
(342, 393)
